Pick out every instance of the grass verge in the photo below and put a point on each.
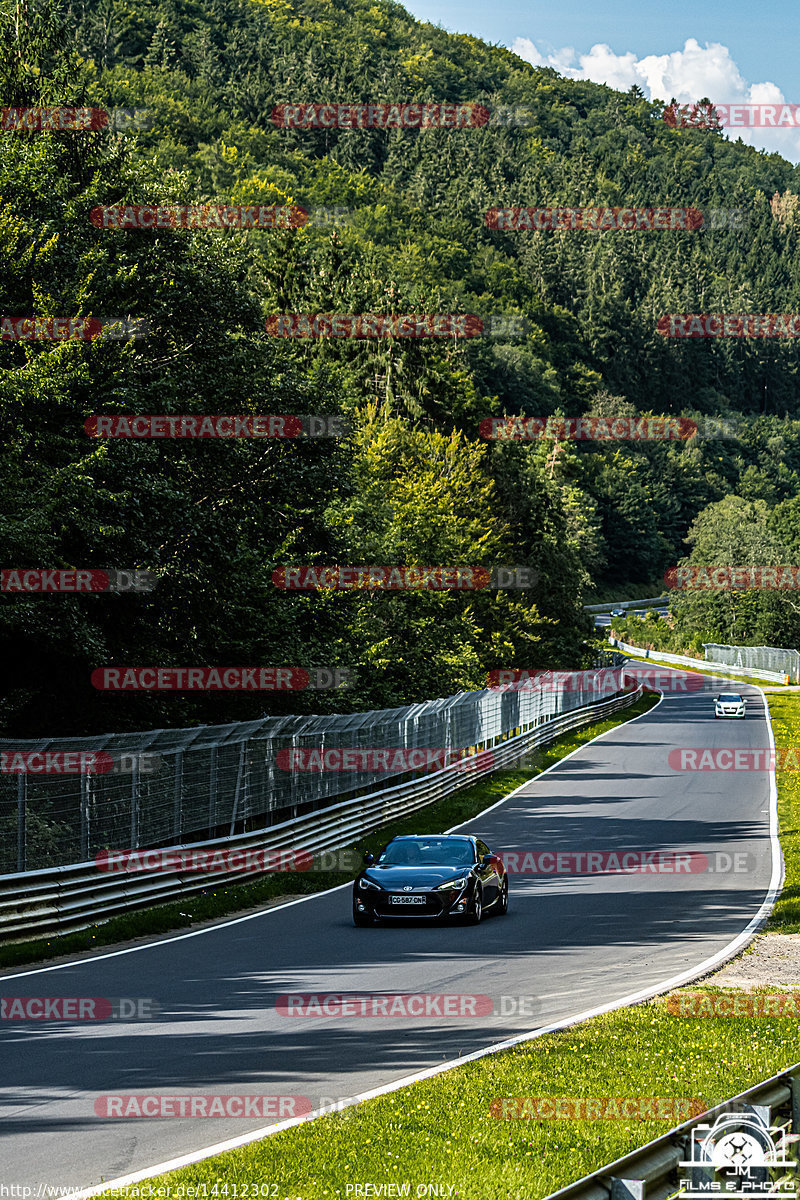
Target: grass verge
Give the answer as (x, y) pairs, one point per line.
(440, 1131)
(220, 902)
(784, 712)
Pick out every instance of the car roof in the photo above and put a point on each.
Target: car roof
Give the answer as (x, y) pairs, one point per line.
(452, 837)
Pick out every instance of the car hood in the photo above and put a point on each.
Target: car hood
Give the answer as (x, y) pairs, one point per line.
(418, 877)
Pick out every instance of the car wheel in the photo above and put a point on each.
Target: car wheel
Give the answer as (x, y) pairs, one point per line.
(476, 912)
(502, 902)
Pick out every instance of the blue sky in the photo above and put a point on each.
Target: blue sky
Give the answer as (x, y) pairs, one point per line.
(737, 51)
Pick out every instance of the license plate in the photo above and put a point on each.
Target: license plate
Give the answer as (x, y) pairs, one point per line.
(406, 899)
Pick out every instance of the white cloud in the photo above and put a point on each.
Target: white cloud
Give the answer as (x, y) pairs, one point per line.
(688, 75)
(602, 65)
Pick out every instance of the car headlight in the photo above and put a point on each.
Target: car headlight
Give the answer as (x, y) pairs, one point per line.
(452, 884)
(368, 886)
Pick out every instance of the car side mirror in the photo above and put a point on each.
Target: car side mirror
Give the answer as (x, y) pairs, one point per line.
(487, 858)
(369, 859)
(716, 697)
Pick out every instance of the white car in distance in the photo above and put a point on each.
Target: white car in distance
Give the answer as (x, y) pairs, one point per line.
(729, 704)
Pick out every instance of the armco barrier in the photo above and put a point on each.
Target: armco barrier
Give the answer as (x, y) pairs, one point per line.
(651, 602)
(651, 1173)
(61, 899)
(699, 664)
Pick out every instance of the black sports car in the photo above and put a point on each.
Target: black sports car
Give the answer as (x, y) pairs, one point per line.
(434, 876)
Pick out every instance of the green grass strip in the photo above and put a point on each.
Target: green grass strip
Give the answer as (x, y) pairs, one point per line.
(784, 712)
(441, 1130)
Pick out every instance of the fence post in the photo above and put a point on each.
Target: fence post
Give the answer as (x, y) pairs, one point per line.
(85, 800)
(135, 803)
(212, 789)
(177, 808)
(22, 795)
(239, 775)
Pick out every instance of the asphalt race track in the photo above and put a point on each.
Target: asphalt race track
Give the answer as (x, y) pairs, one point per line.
(603, 620)
(574, 942)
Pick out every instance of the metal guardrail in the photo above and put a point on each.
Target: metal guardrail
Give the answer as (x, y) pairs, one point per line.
(651, 1173)
(699, 664)
(650, 601)
(63, 899)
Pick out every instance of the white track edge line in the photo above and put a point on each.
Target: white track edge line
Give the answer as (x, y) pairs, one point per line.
(724, 955)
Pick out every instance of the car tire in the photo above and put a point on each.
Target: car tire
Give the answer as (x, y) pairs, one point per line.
(502, 900)
(475, 914)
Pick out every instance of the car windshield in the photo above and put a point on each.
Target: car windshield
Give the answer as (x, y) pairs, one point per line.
(427, 852)
(730, 698)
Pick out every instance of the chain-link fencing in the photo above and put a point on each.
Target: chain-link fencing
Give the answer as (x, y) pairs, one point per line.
(62, 801)
(760, 658)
